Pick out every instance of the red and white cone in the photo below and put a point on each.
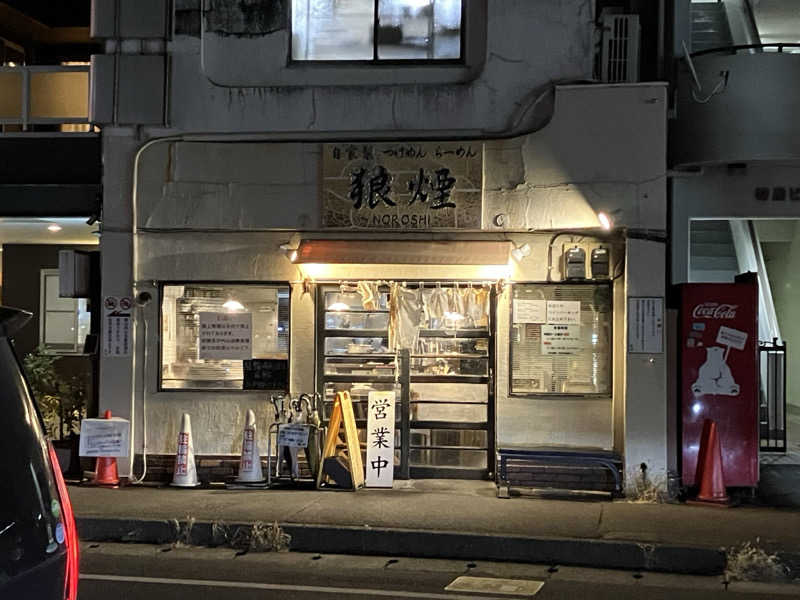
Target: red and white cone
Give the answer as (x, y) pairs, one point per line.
(185, 474)
(250, 472)
(709, 468)
(105, 470)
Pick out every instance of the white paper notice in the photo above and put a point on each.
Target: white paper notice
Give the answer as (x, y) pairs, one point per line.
(294, 435)
(646, 325)
(380, 439)
(530, 311)
(225, 336)
(564, 312)
(561, 339)
(104, 437)
(117, 335)
(732, 337)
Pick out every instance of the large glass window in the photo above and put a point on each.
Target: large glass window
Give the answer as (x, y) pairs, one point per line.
(561, 339)
(209, 330)
(64, 322)
(376, 30)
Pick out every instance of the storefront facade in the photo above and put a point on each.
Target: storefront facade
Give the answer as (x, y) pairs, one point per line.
(540, 359)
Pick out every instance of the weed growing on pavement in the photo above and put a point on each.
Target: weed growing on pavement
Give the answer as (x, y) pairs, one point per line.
(750, 562)
(261, 538)
(183, 532)
(645, 491)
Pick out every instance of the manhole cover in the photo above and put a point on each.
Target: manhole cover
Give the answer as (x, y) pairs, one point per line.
(493, 585)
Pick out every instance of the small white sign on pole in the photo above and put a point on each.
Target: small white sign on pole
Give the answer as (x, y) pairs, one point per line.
(732, 337)
(646, 325)
(225, 336)
(380, 439)
(105, 437)
(117, 334)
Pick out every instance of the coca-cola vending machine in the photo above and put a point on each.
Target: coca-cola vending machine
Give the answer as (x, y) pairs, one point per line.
(719, 375)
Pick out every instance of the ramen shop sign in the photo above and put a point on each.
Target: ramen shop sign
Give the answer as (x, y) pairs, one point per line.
(431, 185)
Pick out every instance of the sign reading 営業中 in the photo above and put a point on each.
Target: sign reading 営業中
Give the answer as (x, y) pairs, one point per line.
(645, 325)
(225, 336)
(403, 185)
(380, 439)
(117, 335)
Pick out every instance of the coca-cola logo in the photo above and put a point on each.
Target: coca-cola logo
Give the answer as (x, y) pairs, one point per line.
(714, 310)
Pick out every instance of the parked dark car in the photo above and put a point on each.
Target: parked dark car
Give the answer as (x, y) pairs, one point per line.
(38, 539)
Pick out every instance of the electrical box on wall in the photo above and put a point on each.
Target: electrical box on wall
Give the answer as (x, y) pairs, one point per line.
(586, 260)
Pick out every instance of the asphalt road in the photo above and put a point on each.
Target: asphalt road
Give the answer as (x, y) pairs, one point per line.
(144, 572)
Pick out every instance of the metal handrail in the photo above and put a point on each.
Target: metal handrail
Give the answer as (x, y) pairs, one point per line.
(25, 119)
(735, 49)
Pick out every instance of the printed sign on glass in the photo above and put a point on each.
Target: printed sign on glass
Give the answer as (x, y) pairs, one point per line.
(380, 439)
(564, 312)
(530, 311)
(430, 185)
(561, 339)
(225, 336)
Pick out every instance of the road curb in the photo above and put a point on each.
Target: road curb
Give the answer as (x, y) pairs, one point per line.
(617, 554)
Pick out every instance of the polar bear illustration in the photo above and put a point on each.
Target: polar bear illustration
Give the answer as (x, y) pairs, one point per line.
(714, 375)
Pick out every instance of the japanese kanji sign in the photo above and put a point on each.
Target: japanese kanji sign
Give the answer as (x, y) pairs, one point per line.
(380, 439)
(104, 437)
(430, 185)
(117, 333)
(225, 336)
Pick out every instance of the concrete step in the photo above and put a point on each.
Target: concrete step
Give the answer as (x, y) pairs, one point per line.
(714, 263)
(709, 276)
(724, 248)
(711, 237)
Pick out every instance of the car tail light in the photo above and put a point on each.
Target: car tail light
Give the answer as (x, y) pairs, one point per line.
(70, 531)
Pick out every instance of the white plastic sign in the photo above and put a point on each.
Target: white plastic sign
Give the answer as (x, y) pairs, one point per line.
(225, 336)
(564, 312)
(380, 439)
(530, 311)
(732, 337)
(105, 437)
(293, 435)
(645, 325)
(117, 333)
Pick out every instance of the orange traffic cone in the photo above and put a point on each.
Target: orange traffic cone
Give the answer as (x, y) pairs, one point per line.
(105, 471)
(709, 468)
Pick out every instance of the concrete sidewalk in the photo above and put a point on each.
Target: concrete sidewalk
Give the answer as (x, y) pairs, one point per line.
(448, 519)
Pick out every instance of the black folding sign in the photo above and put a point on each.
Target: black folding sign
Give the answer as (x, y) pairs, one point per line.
(266, 374)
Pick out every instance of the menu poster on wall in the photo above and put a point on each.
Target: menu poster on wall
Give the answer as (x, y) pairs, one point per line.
(645, 325)
(564, 312)
(225, 336)
(380, 439)
(561, 339)
(530, 311)
(117, 337)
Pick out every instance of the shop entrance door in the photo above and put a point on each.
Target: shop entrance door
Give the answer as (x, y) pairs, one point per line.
(444, 387)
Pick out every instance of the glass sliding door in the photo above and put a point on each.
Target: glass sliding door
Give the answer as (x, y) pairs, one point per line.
(444, 395)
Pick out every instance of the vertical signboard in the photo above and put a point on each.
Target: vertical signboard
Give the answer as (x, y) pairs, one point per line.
(117, 335)
(406, 186)
(380, 439)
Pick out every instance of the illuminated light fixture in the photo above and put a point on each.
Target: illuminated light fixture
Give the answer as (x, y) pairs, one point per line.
(232, 305)
(453, 316)
(520, 252)
(54, 228)
(338, 306)
(291, 253)
(605, 221)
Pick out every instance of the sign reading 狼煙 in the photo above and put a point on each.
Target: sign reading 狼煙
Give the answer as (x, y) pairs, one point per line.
(424, 185)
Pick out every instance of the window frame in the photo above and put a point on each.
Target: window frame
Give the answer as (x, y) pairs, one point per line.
(43, 311)
(556, 395)
(375, 60)
(216, 390)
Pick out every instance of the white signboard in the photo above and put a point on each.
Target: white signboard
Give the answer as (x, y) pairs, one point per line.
(380, 439)
(105, 437)
(530, 311)
(561, 339)
(646, 325)
(564, 312)
(732, 337)
(117, 335)
(225, 336)
(293, 435)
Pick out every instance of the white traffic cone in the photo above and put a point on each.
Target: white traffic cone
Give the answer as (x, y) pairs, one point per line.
(185, 474)
(250, 464)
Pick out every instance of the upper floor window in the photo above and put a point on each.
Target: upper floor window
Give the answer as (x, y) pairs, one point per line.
(377, 30)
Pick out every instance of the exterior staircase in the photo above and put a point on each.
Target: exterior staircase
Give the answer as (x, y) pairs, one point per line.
(713, 255)
(710, 28)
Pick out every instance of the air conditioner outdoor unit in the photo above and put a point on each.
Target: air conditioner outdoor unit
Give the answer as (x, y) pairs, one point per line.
(620, 49)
